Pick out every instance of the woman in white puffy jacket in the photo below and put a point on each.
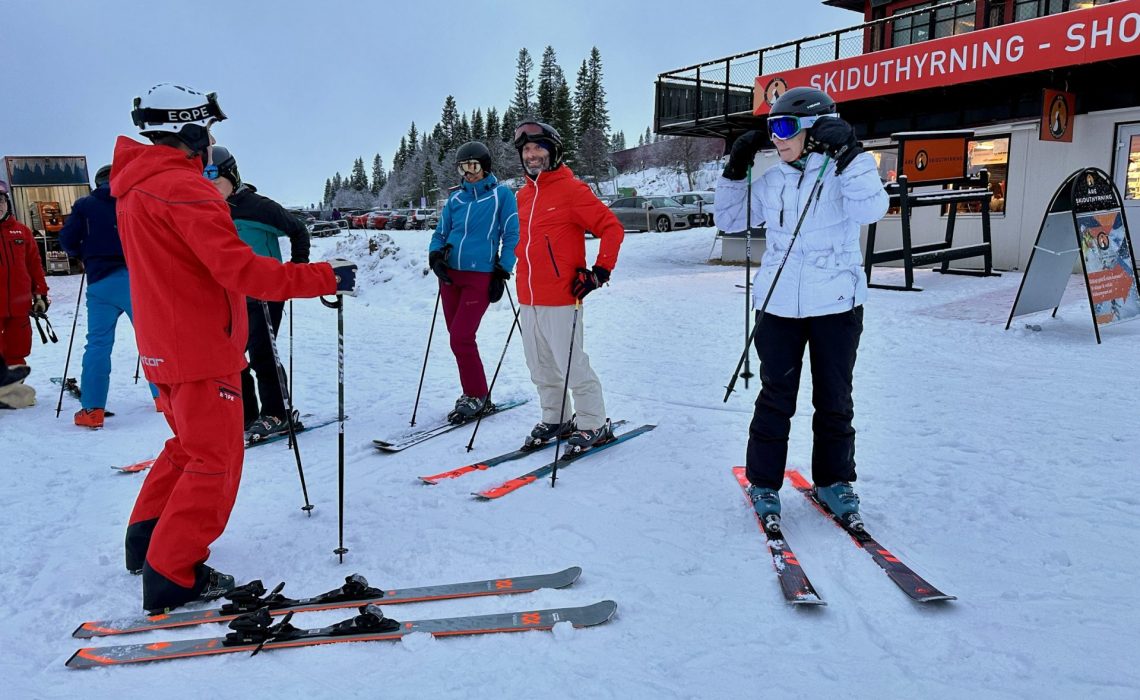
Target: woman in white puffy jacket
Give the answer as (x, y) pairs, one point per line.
(817, 300)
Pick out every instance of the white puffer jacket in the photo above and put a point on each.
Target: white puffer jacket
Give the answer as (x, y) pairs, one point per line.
(823, 274)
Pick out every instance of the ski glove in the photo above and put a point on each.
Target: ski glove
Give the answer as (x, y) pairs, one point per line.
(436, 261)
(40, 304)
(499, 278)
(743, 153)
(586, 281)
(838, 139)
(345, 272)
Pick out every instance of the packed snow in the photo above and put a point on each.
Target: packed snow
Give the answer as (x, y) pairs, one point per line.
(1001, 465)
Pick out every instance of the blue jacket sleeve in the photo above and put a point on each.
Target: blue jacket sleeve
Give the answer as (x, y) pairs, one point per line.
(442, 229)
(508, 229)
(72, 234)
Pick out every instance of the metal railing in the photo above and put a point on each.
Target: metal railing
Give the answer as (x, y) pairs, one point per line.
(723, 88)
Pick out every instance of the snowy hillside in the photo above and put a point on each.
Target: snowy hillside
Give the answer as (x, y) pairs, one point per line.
(1001, 465)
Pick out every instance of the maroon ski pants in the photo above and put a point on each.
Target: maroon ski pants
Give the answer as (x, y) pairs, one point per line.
(465, 301)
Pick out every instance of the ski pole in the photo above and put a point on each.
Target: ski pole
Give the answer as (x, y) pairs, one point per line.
(514, 324)
(70, 341)
(565, 390)
(768, 297)
(747, 374)
(341, 550)
(138, 365)
(427, 350)
(288, 400)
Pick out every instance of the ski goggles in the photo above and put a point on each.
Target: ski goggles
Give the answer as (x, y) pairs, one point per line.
(473, 167)
(786, 126)
(531, 131)
(211, 172)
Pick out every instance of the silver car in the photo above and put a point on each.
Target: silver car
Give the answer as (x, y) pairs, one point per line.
(656, 214)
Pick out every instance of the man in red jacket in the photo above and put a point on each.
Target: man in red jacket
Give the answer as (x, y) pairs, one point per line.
(23, 288)
(190, 274)
(555, 211)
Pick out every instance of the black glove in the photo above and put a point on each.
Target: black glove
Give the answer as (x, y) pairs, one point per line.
(499, 278)
(437, 261)
(40, 304)
(345, 272)
(586, 281)
(837, 138)
(743, 153)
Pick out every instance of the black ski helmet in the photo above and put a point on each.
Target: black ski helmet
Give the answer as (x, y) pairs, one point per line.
(103, 176)
(475, 150)
(803, 102)
(543, 134)
(226, 164)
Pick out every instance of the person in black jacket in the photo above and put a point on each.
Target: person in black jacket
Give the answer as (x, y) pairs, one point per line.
(260, 221)
(91, 234)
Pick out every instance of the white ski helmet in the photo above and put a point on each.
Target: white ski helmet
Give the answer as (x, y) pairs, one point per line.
(181, 111)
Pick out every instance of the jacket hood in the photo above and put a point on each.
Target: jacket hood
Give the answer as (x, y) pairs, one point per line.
(135, 162)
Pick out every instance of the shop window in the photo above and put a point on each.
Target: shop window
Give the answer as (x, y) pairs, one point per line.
(944, 21)
(1132, 176)
(993, 155)
(995, 13)
(887, 160)
(1028, 9)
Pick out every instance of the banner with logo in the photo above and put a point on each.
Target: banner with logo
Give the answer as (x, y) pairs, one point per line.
(42, 171)
(1077, 37)
(1058, 112)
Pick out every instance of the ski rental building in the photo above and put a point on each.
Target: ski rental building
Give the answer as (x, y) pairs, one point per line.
(1046, 87)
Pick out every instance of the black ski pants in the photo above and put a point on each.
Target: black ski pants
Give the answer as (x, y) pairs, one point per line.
(262, 365)
(832, 342)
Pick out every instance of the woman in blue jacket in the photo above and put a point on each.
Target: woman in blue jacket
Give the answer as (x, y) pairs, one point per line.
(817, 302)
(473, 252)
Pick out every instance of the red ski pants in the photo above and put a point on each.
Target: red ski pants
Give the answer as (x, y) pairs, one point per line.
(465, 301)
(187, 497)
(15, 339)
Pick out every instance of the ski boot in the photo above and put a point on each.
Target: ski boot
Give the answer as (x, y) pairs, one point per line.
(542, 433)
(16, 373)
(840, 499)
(89, 418)
(467, 408)
(217, 585)
(269, 426)
(767, 504)
(582, 440)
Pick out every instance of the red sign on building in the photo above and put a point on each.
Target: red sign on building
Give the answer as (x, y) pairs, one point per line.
(1094, 34)
(1058, 111)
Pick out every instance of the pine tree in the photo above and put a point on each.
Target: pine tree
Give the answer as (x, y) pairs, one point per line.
(358, 180)
(493, 126)
(548, 82)
(462, 132)
(648, 137)
(413, 140)
(337, 183)
(617, 142)
(510, 121)
(640, 140)
(328, 192)
(401, 158)
(478, 130)
(448, 121)
(583, 110)
(428, 184)
(379, 177)
(523, 101)
(563, 121)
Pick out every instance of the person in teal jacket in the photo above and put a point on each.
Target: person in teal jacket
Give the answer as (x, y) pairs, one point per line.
(472, 252)
(260, 222)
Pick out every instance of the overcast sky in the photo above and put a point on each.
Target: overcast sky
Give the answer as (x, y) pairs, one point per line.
(309, 86)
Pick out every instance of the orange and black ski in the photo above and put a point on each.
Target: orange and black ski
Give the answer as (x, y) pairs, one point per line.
(794, 583)
(903, 576)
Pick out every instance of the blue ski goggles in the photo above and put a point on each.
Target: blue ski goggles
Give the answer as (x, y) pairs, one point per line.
(786, 126)
(211, 172)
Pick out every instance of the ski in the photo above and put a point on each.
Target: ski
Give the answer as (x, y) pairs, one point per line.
(793, 579)
(355, 592)
(71, 386)
(565, 460)
(903, 576)
(257, 631)
(406, 441)
(488, 463)
(307, 426)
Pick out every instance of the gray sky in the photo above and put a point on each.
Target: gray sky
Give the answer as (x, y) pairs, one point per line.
(309, 86)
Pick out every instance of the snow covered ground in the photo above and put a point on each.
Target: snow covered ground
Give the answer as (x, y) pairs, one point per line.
(1002, 465)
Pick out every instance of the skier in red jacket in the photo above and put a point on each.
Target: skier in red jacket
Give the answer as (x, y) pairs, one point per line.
(555, 211)
(23, 289)
(190, 274)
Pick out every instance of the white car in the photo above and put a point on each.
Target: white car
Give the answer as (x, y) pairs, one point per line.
(703, 200)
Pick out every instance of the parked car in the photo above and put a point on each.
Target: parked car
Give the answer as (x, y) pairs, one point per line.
(419, 218)
(359, 221)
(655, 213)
(398, 221)
(704, 201)
(378, 218)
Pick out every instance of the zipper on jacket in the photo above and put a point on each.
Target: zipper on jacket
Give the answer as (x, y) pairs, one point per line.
(530, 242)
(551, 251)
(463, 238)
